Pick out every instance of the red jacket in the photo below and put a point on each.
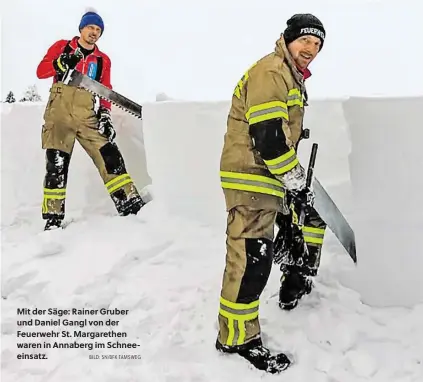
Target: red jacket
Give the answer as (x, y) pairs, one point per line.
(46, 69)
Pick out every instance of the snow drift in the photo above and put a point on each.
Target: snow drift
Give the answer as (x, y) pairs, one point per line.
(165, 265)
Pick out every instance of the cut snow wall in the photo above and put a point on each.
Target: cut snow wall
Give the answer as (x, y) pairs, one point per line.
(386, 173)
(23, 164)
(379, 146)
(184, 141)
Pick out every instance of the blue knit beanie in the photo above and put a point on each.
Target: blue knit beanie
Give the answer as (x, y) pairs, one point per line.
(91, 18)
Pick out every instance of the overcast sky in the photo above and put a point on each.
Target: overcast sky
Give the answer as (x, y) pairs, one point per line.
(197, 50)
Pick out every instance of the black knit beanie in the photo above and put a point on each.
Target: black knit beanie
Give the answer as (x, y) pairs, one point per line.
(304, 24)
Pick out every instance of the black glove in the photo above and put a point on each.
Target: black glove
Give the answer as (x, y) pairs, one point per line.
(303, 200)
(105, 125)
(282, 244)
(66, 61)
(290, 250)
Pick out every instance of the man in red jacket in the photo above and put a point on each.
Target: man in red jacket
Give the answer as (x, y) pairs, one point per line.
(74, 113)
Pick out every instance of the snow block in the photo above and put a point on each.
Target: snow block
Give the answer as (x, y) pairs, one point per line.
(183, 143)
(387, 182)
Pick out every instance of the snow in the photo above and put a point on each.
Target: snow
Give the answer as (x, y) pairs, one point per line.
(386, 180)
(166, 264)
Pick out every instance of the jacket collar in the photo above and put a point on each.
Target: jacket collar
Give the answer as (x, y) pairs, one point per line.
(74, 44)
(299, 75)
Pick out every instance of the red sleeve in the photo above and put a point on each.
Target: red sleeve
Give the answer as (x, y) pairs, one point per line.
(105, 79)
(45, 68)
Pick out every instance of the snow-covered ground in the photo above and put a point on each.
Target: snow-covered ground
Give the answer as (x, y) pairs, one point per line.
(165, 265)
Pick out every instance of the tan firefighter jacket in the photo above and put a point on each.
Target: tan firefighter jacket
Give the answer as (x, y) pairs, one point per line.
(271, 88)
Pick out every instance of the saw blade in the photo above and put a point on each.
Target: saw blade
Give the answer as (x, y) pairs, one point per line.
(114, 103)
(75, 78)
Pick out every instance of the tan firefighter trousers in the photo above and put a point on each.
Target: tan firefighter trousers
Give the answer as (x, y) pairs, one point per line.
(70, 116)
(249, 257)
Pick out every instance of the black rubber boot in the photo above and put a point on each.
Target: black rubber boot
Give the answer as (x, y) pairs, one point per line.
(258, 355)
(127, 206)
(53, 223)
(293, 286)
(132, 206)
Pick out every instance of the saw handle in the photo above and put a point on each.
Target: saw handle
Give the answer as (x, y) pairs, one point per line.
(309, 180)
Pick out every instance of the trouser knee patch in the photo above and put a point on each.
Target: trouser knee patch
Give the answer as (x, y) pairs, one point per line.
(57, 166)
(257, 270)
(113, 159)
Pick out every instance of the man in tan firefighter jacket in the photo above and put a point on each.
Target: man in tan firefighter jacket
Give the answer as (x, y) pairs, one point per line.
(74, 114)
(262, 179)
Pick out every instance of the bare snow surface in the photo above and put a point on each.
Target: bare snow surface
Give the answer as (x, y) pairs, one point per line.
(165, 267)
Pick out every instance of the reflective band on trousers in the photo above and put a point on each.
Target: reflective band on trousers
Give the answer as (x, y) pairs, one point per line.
(295, 98)
(52, 194)
(237, 315)
(283, 163)
(118, 182)
(313, 235)
(266, 111)
(250, 182)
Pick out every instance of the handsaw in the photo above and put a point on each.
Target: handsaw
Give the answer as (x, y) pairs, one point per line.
(74, 78)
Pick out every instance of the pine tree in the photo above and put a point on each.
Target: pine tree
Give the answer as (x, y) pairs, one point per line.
(10, 98)
(31, 95)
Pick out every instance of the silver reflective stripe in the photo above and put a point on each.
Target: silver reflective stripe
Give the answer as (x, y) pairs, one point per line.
(282, 164)
(254, 183)
(238, 311)
(55, 192)
(268, 111)
(236, 332)
(313, 234)
(294, 97)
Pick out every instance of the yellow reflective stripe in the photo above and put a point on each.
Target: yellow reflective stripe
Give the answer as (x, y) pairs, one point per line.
(54, 193)
(118, 182)
(56, 197)
(283, 163)
(44, 207)
(231, 331)
(258, 178)
(295, 98)
(295, 219)
(237, 92)
(266, 111)
(245, 317)
(242, 81)
(239, 306)
(320, 231)
(55, 190)
(294, 92)
(61, 67)
(237, 315)
(313, 240)
(252, 183)
(313, 235)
